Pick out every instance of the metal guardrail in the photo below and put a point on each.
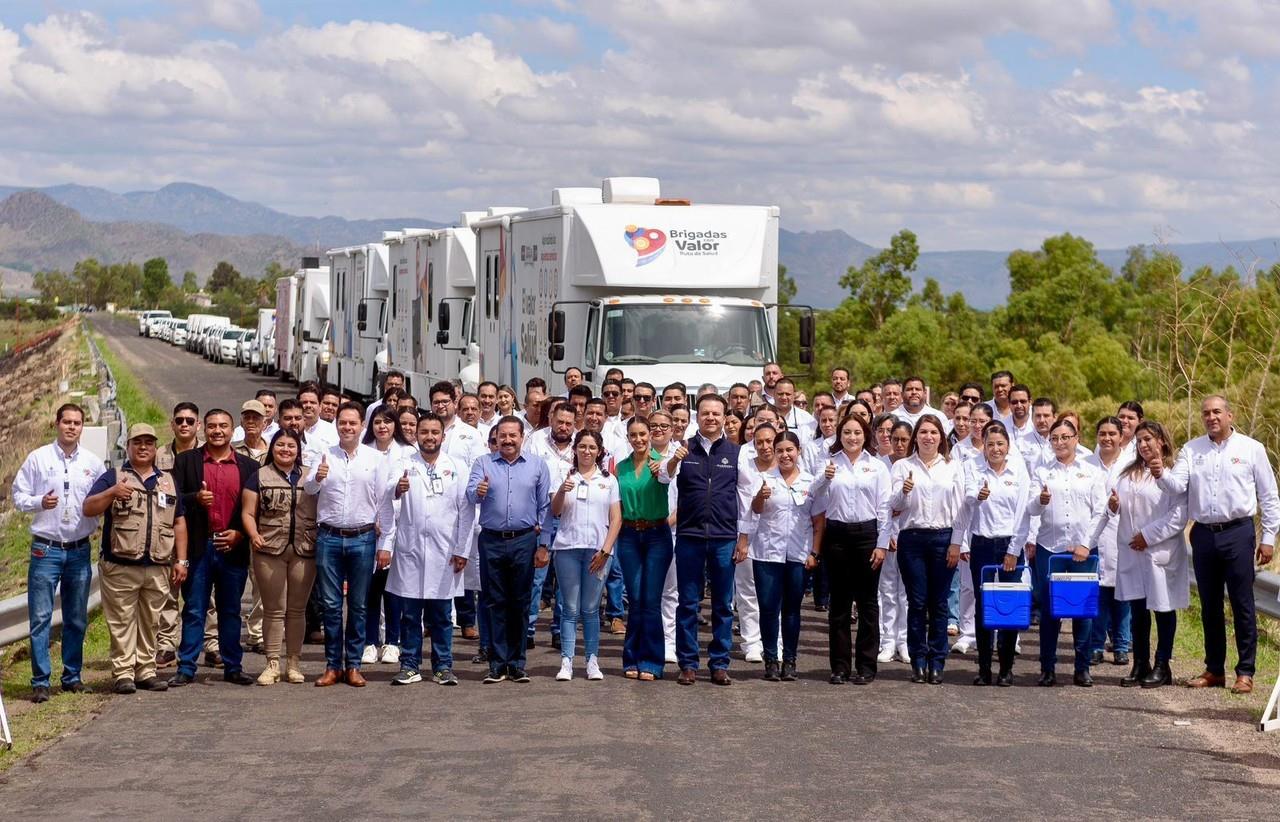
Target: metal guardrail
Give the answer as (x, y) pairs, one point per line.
(112, 415)
(1266, 593)
(14, 617)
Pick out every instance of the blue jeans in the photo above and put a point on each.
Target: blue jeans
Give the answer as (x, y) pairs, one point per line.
(212, 574)
(953, 602)
(643, 559)
(434, 613)
(779, 590)
(483, 625)
(1114, 617)
(465, 606)
(922, 558)
(579, 598)
(698, 562)
(344, 559)
(535, 602)
(379, 600)
(68, 571)
(1081, 629)
(506, 577)
(615, 604)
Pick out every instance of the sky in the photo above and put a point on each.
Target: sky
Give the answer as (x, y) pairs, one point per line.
(982, 125)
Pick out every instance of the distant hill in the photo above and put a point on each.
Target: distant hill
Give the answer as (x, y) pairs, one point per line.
(200, 209)
(38, 233)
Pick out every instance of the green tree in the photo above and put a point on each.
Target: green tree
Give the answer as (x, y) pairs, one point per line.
(155, 279)
(224, 277)
(883, 282)
(190, 284)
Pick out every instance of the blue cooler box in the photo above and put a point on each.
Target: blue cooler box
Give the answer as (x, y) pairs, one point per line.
(1073, 594)
(1006, 606)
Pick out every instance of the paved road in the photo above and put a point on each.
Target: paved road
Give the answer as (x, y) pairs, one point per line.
(619, 748)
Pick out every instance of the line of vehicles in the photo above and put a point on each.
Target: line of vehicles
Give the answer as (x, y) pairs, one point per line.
(611, 276)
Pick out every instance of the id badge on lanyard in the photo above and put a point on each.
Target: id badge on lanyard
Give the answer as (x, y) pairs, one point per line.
(582, 491)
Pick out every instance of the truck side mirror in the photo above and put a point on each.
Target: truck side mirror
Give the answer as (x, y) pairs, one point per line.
(806, 331)
(442, 337)
(806, 356)
(443, 321)
(555, 331)
(555, 352)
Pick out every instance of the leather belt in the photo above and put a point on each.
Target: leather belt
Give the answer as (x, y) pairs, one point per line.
(496, 534)
(643, 524)
(1219, 527)
(83, 542)
(346, 532)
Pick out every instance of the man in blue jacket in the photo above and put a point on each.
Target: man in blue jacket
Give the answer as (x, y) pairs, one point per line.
(705, 470)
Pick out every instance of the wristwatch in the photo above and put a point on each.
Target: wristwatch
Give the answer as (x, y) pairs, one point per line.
(185, 563)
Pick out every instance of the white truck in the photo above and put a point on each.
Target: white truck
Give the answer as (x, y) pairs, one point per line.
(145, 318)
(359, 282)
(302, 321)
(433, 286)
(618, 276)
(260, 351)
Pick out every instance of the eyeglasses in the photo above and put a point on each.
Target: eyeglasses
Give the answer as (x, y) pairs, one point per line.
(971, 398)
(660, 427)
(608, 394)
(1062, 438)
(642, 398)
(184, 420)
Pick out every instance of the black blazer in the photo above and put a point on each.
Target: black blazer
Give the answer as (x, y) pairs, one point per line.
(188, 473)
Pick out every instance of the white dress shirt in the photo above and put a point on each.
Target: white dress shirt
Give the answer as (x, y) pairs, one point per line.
(1160, 574)
(1226, 481)
(1106, 544)
(540, 445)
(783, 531)
(349, 497)
(967, 452)
(1077, 506)
(425, 530)
(485, 426)
(69, 476)
(1001, 513)
(584, 523)
(857, 493)
(937, 495)
(321, 436)
(749, 478)
(816, 454)
(464, 442)
(799, 420)
(911, 418)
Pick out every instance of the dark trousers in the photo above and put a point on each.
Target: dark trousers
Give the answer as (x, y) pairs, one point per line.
(212, 574)
(922, 559)
(990, 551)
(506, 577)
(846, 551)
(1166, 627)
(1081, 629)
(434, 613)
(1224, 559)
(816, 581)
(379, 600)
(779, 590)
(465, 606)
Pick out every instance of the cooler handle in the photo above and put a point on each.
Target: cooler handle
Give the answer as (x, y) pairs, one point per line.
(1070, 558)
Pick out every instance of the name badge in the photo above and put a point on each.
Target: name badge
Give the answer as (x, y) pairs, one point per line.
(437, 486)
(582, 491)
(162, 500)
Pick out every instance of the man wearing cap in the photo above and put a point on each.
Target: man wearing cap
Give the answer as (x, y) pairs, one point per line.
(51, 485)
(267, 399)
(144, 551)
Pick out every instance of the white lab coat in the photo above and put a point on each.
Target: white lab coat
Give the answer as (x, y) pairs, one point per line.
(1161, 574)
(1107, 542)
(424, 530)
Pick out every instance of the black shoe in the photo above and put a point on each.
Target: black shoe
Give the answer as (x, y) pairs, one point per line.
(528, 644)
(124, 687)
(257, 648)
(1004, 679)
(1095, 658)
(76, 687)
(1139, 672)
(918, 674)
(788, 672)
(518, 675)
(180, 679)
(237, 678)
(862, 679)
(481, 657)
(935, 676)
(1048, 679)
(822, 609)
(838, 678)
(212, 659)
(40, 693)
(1120, 658)
(152, 684)
(555, 641)
(1160, 675)
(1083, 679)
(771, 672)
(983, 678)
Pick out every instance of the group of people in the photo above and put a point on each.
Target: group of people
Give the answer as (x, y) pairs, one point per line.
(386, 528)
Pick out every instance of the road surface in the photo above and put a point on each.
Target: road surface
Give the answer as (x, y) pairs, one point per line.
(617, 748)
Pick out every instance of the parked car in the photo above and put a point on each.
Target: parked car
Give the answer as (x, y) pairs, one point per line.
(244, 351)
(144, 321)
(179, 333)
(226, 347)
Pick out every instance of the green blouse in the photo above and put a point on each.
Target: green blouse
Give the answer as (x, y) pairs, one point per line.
(643, 497)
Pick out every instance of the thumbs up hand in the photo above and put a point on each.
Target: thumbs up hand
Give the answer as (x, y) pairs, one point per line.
(908, 483)
(984, 491)
(49, 501)
(1045, 496)
(122, 490)
(680, 453)
(1113, 502)
(323, 470)
(765, 491)
(204, 496)
(830, 470)
(567, 485)
(1156, 466)
(403, 485)
(483, 488)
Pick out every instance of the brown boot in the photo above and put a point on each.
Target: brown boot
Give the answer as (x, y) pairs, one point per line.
(329, 677)
(355, 679)
(1207, 680)
(293, 670)
(1244, 685)
(271, 674)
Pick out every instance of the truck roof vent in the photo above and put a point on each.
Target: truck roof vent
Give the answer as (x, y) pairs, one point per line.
(499, 211)
(310, 262)
(576, 196)
(641, 190)
(469, 218)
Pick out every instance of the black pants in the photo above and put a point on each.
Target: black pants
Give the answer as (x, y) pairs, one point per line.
(1225, 559)
(990, 551)
(1166, 626)
(846, 553)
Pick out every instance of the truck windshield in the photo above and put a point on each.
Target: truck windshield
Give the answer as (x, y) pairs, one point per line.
(662, 333)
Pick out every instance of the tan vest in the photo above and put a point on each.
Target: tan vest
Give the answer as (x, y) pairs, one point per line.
(286, 514)
(165, 455)
(140, 526)
(259, 457)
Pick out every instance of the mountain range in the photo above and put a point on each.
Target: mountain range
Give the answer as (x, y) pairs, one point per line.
(194, 226)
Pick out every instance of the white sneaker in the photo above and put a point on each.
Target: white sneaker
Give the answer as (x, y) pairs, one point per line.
(566, 669)
(1017, 645)
(886, 654)
(904, 654)
(370, 655)
(962, 647)
(593, 669)
(755, 655)
(390, 655)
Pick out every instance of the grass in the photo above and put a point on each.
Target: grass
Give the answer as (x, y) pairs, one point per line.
(1188, 655)
(137, 404)
(12, 332)
(15, 546)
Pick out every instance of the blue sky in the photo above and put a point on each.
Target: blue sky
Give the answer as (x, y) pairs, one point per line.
(981, 125)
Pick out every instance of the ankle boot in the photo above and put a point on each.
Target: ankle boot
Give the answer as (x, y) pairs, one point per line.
(293, 670)
(271, 675)
(1160, 675)
(1140, 671)
(771, 672)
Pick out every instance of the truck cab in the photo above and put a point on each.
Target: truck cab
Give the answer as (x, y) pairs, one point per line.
(359, 283)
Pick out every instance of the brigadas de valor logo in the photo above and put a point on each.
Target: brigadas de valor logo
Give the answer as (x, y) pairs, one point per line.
(647, 242)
